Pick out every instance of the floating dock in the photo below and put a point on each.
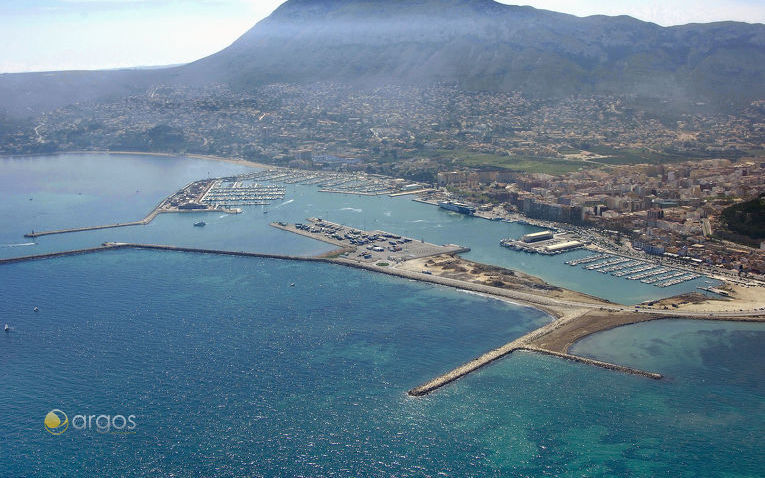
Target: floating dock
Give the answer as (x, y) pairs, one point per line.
(228, 192)
(586, 260)
(634, 269)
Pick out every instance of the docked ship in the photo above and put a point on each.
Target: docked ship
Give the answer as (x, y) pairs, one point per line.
(457, 207)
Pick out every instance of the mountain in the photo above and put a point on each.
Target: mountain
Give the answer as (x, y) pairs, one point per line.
(29, 94)
(482, 44)
(478, 44)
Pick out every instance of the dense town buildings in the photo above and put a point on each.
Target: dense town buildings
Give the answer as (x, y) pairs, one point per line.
(672, 209)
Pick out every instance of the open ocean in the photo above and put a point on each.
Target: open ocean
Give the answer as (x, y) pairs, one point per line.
(231, 371)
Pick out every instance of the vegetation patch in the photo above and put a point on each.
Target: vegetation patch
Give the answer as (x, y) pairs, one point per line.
(506, 162)
(745, 221)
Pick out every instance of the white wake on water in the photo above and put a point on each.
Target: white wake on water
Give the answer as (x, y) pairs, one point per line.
(351, 209)
(19, 245)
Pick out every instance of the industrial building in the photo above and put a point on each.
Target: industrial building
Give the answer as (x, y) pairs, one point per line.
(537, 236)
(563, 247)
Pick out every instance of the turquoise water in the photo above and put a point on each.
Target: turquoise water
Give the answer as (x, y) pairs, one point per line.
(108, 189)
(230, 371)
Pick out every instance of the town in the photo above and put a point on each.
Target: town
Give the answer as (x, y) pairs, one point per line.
(657, 183)
(663, 210)
(410, 132)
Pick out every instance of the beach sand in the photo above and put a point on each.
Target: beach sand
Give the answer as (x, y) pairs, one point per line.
(741, 298)
(455, 267)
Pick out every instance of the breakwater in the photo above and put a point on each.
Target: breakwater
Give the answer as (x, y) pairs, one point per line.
(160, 247)
(522, 343)
(509, 348)
(578, 321)
(465, 369)
(161, 208)
(58, 254)
(141, 222)
(596, 363)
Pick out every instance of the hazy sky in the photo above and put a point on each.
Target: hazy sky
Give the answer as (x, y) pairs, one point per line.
(40, 35)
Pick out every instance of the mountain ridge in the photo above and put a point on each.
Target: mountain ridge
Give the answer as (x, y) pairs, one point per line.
(476, 44)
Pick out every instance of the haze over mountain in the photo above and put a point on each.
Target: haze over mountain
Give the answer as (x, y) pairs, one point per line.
(478, 44)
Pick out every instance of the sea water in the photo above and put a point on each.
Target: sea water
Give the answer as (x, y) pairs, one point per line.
(230, 370)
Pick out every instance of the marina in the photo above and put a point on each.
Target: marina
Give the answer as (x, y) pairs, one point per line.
(605, 264)
(633, 269)
(586, 260)
(234, 192)
(203, 304)
(337, 182)
(617, 267)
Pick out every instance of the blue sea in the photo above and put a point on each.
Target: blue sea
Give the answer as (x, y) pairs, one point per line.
(230, 370)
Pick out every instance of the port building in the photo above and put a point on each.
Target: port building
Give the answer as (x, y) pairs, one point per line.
(562, 247)
(537, 236)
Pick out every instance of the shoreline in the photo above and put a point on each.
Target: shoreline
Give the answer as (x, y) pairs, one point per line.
(554, 338)
(240, 162)
(574, 316)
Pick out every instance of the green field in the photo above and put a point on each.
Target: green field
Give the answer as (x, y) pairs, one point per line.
(639, 156)
(512, 163)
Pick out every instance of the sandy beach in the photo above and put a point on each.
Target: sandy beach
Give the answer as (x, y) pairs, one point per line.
(741, 298)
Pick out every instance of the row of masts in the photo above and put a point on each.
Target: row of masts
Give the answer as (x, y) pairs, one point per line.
(632, 269)
(242, 193)
(326, 180)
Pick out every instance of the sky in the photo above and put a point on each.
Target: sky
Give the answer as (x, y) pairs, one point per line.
(44, 35)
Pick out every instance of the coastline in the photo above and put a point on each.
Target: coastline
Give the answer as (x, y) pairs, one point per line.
(240, 162)
(572, 320)
(574, 315)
